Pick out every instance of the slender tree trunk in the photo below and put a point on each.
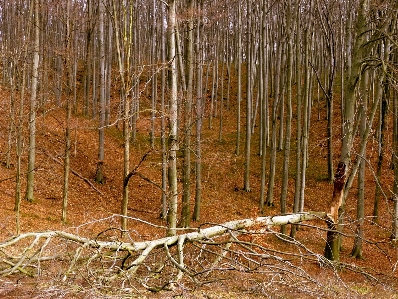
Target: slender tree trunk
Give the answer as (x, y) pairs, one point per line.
(213, 84)
(248, 99)
(66, 161)
(285, 180)
(383, 114)
(264, 68)
(186, 195)
(154, 75)
(306, 118)
(11, 127)
(88, 60)
(357, 248)
(99, 176)
(163, 213)
(19, 147)
(108, 72)
(380, 160)
(239, 83)
(123, 46)
(222, 92)
(68, 116)
(33, 100)
(394, 235)
(21, 83)
(173, 142)
(296, 204)
(199, 116)
(271, 179)
(282, 100)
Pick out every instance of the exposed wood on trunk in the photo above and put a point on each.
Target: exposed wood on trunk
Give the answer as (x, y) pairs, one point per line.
(332, 218)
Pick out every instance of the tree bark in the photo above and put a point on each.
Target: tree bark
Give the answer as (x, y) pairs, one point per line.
(275, 105)
(189, 56)
(332, 246)
(353, 72)
(264, 67)
(68, 116)
(239, 83)
(99, 176)
(359, 231)
(285, 179)
(199, 118)
(163, 213)
(296, 204)
(172, 142)
(249, 89)
(33, 100)
(394, 235)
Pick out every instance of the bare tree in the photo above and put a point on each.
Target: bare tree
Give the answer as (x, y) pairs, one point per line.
(249, 89)
(173, 142)
(33, 105)
(239, 83)
(289, 28)
(394, 234)
(199, 115)
(68, 112)
(189, 68)
(276, 102)
(123, 37)
(357, 249)
(99, 175)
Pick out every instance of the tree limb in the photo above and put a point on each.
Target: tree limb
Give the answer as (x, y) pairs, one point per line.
(74, 172)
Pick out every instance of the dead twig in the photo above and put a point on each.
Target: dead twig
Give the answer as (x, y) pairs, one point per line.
(86, 180)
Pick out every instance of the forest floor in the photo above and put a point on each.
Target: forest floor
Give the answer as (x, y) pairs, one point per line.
(92, 210)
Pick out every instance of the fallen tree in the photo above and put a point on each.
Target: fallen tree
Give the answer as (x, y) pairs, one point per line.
(145, 247)
(202, 255)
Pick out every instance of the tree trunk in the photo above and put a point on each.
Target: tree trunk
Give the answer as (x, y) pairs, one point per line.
(154, 74)
(11, 127)
(352, 74)
(271, 179)
(123, 46)
(173, 142)
(199, 117)
(296, 204)
(19, 148)
(264, 68)
(394, 235)
(99, 176)
(163, 213)
(186, 194)
(383, 90)
(306, 118)
(285, 179)
(239, 83)
(332, 246)
(32, 113)
(357, 248)
(221, 77)
(249, 90)
(68, 116)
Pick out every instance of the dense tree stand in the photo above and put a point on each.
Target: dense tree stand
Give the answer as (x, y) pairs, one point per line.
(311, 81)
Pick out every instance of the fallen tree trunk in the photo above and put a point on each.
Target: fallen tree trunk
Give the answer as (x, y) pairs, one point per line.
(187, 261)
(27, 253)
(199, 234)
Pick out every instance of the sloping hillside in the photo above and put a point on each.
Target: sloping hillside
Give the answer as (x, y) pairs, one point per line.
(92, 207)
